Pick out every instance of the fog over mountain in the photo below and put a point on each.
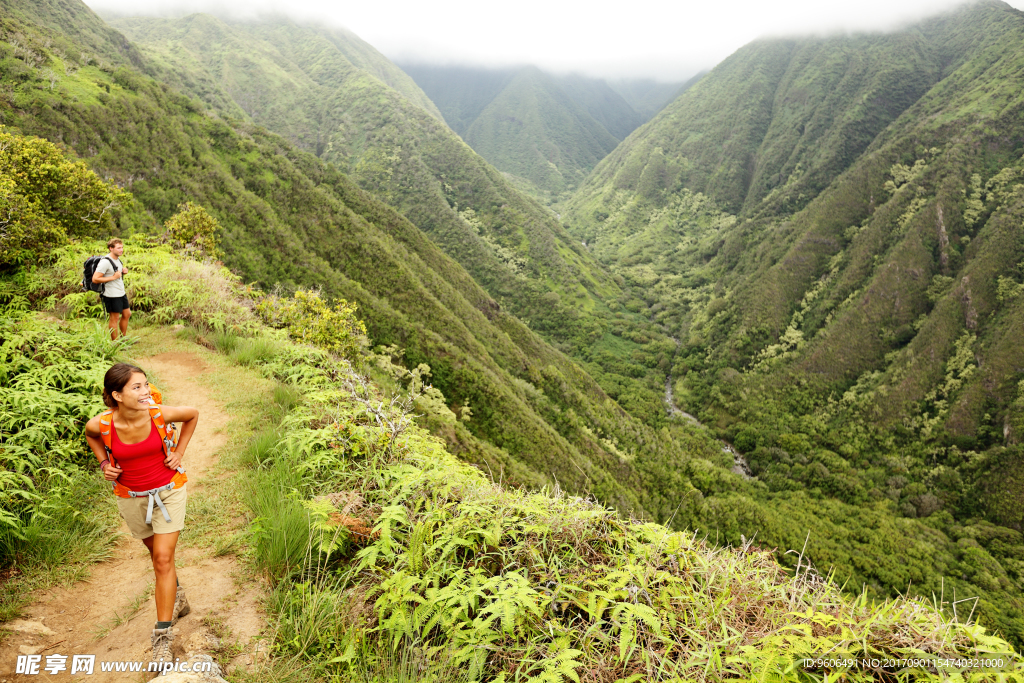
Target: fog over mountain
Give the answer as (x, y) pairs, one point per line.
(653, 39)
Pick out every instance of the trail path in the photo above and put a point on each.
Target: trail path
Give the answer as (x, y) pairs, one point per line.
(66, 621)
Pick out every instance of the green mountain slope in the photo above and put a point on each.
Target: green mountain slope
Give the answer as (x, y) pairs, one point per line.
(646, 96)
(831, 227)
(603, 103)
(534, 130)
(460, 92)
(287, 92)
(522, 257)
(546, 130)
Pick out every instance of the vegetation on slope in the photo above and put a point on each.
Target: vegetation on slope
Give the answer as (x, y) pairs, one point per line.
(646, 96)
(535, 130)
(843, 282)
(512, 248)
(548, 131)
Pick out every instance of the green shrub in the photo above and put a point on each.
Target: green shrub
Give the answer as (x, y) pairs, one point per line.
(193, 231)
(310, 320)
(46, 198)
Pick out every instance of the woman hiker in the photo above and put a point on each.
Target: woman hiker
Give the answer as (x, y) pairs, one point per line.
(130, 441)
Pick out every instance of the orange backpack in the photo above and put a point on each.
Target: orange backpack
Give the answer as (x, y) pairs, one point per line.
(169, 437)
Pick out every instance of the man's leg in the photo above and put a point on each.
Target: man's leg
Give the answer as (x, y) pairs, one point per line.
(125, 314)
(113, 324)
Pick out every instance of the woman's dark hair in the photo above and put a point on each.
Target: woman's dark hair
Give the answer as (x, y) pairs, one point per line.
(115, 380)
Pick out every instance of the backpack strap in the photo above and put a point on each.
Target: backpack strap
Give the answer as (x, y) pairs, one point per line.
(168, 435)
(106, 417)
(158, 420)
(113, 266)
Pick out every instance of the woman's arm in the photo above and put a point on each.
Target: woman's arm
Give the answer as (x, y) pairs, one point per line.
(189, 418)
(95, 441)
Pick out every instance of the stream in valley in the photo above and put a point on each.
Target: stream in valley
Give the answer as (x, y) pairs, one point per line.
(740, 465)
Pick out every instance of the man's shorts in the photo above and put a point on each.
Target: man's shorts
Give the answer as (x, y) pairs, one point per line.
(116, 304)
(133, 510)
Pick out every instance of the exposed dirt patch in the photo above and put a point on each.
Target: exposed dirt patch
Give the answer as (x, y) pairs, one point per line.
(224, 602)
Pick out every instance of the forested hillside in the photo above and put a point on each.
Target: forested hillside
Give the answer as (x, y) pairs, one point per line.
(548, 131)
(514, 249)
(647, 96)
(534, 130)
(831, 227)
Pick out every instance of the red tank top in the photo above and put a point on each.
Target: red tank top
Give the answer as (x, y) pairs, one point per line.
(143, 462)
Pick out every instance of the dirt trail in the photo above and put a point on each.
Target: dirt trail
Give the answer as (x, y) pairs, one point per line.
(66, 621)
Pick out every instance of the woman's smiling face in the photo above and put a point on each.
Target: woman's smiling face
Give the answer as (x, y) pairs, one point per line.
(134, 394)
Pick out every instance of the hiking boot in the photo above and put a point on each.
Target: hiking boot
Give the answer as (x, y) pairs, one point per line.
(162, 639)
(181, 607)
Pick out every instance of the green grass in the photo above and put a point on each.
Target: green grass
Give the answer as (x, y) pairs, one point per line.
(254, 351)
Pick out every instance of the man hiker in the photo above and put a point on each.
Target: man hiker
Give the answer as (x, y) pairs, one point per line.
(110, 272)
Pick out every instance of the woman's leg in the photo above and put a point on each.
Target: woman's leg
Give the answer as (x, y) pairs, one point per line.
(161, 550)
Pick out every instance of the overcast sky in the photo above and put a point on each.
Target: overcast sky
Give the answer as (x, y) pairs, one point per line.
(647, 38)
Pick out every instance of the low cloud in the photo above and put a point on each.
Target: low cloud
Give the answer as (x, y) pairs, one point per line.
(654, 39)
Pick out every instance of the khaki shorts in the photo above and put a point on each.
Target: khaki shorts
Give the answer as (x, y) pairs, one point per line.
(133, 510)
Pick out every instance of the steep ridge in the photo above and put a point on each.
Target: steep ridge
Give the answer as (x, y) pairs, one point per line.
(546, 130)
(262, 83)
(784, 118)
(536, 131)
(647, 97)
(831, 227)
(459, 92)
(603, 103)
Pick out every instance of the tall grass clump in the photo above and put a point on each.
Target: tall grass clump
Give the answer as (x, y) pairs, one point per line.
(280, 523)
(255, 351)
